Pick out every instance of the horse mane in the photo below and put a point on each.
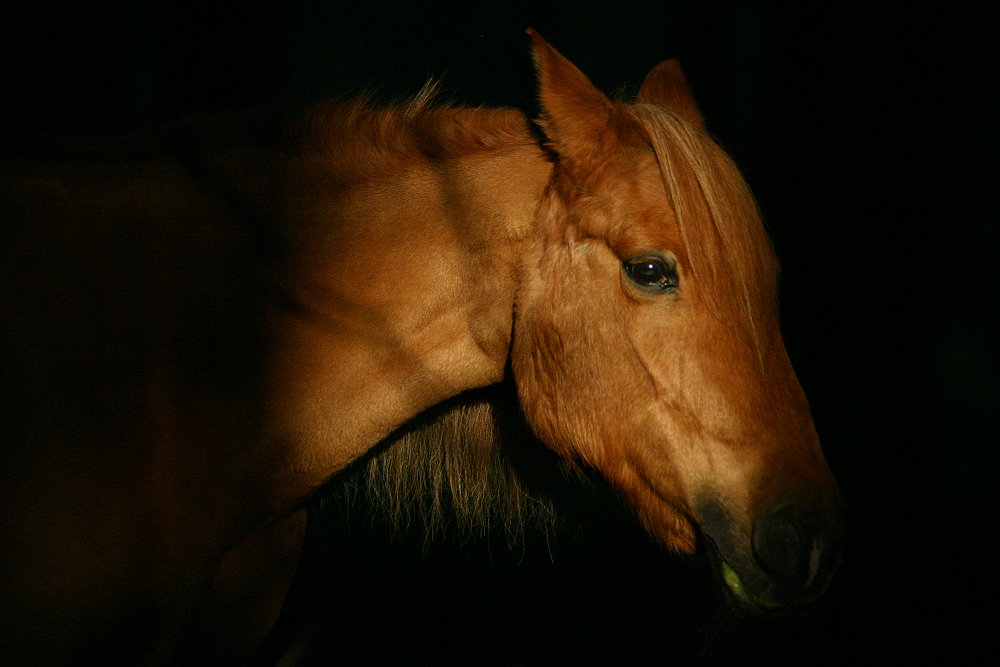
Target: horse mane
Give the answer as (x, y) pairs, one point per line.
(469, 467)
(364, 132)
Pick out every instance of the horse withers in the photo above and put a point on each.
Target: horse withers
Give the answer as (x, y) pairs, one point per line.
(206, 322)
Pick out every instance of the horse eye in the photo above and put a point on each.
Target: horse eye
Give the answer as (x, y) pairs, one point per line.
(651, 273)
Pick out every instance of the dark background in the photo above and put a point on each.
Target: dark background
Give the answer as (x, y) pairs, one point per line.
(867, 131)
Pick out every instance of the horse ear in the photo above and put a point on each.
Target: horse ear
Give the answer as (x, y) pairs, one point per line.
(575, 116)
(666, 86)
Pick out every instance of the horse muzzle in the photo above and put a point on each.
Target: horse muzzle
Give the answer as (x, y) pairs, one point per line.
(787, 558)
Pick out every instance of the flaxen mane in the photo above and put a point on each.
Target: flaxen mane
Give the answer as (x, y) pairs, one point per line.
(718, 216)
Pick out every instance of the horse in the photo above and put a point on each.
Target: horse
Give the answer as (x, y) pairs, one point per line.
(204, 323)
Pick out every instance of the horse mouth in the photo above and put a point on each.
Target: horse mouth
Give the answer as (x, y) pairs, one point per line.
(745, 584)
(785, 560)
(752, 590)
(738, 594)
(732, 580)
(740, 591)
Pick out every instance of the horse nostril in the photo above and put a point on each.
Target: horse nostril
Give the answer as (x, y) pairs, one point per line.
(785, 546)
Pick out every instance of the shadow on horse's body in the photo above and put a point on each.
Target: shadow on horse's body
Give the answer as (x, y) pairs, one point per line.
(205, 324)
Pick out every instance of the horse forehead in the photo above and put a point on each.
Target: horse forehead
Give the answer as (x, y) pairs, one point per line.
(631, 208)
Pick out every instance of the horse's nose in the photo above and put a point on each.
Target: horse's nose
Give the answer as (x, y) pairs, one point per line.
(798, 548)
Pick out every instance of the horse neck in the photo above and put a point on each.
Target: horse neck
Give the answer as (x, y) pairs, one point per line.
(403, 274)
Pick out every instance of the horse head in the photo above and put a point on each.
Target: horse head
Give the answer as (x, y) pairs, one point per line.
(646, 339)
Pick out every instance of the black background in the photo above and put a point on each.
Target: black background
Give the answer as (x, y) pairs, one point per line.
(867, 131)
